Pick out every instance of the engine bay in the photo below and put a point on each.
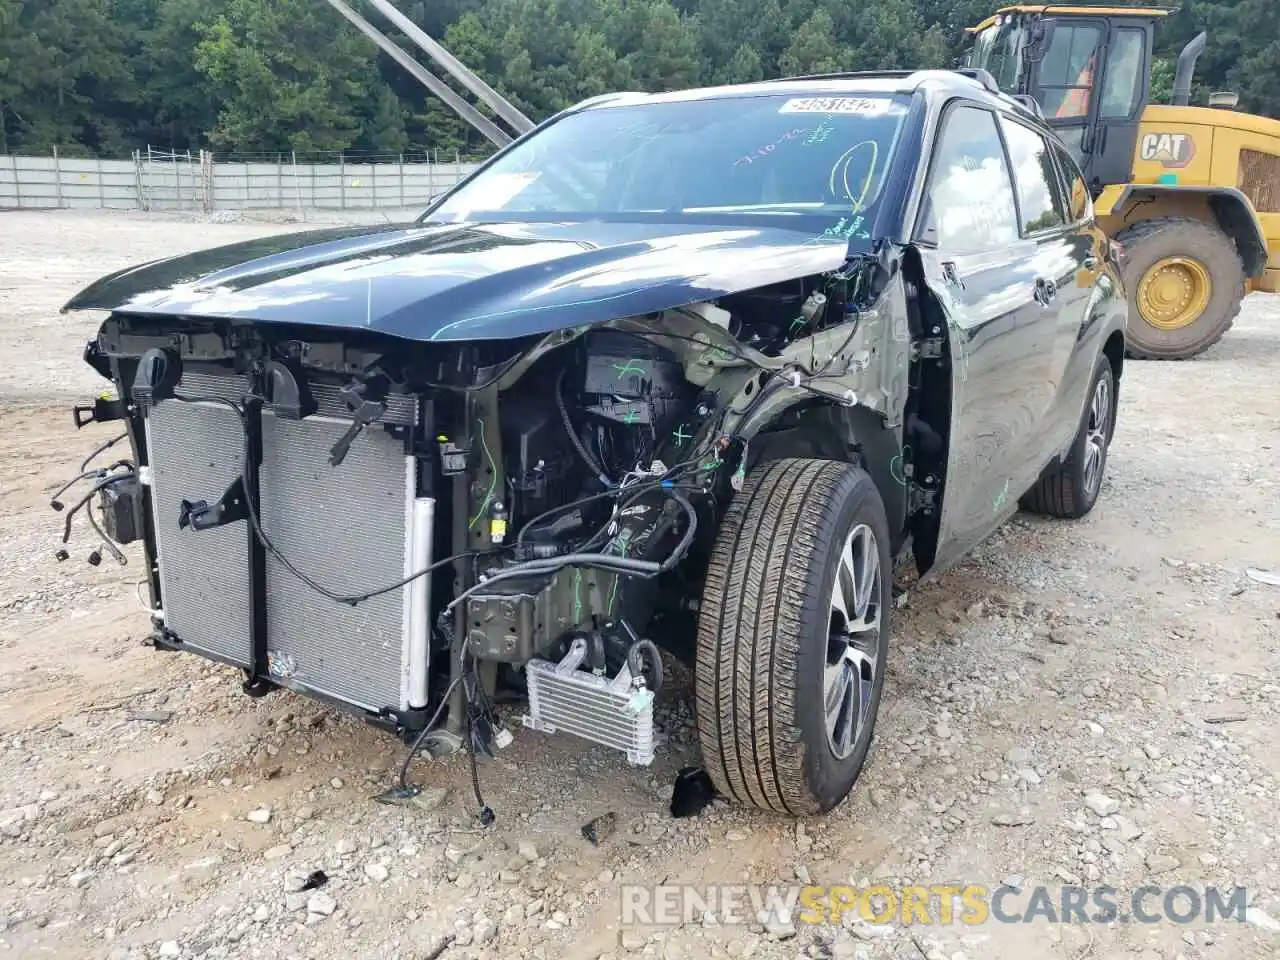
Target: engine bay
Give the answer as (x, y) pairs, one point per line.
(417, 530)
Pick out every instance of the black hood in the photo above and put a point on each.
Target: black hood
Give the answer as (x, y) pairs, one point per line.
(454, 281)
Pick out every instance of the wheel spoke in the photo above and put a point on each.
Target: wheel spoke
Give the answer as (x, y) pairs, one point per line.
(866, 613)
(1100, 408)
(1091, 456)
(862, 664)
(841, 719)
(842, 595)
(1096, 435)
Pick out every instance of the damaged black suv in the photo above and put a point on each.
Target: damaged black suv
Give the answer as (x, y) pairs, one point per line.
(690, 372)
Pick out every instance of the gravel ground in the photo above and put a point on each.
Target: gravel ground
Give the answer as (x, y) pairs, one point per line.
(1092, 703)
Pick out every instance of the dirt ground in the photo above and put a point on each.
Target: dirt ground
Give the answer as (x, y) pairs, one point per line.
(1094, 703)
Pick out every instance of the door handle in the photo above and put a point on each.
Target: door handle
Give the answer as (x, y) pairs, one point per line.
(950, 275)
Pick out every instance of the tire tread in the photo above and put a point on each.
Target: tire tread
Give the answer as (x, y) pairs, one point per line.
(757, 586)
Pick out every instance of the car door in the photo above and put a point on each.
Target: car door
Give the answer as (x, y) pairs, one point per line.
(1062, 249)
(1084, 302)
(983, 273)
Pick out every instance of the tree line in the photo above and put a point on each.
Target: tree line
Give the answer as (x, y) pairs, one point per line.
(107, 76)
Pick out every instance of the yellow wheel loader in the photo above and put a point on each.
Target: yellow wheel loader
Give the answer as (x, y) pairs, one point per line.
(1191, 194)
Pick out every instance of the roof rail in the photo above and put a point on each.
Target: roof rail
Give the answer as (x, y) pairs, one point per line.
(982, 76)
(847, 75)
(973, 73)
(1030, 103)
(601, 98)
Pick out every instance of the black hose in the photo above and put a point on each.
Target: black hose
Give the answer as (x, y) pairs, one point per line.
(421, 738)
(100, 485)
(100, 448)
(576, 440)
(686, 541)
(115, 551)
(643, 486)
(628, 566)
(565, 508)
(636, 653)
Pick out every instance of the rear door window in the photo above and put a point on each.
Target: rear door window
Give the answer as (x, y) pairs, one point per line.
(969, 205)
(1079, 201)
(1040, 202)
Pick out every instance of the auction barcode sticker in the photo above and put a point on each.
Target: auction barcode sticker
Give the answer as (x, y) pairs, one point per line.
(867, 106)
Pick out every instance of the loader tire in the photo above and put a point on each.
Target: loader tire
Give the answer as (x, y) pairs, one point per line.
(773, 650)
(1185, 282)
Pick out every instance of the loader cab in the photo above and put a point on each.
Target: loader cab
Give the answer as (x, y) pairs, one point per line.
(1088, 68)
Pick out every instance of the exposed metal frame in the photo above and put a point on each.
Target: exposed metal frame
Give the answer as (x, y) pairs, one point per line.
(420, 73)
(502, 107)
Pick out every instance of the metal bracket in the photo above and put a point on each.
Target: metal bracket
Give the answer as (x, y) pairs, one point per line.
(257, 687)
(921, 499)
(930, 348)
(103, 410)
(230, 507)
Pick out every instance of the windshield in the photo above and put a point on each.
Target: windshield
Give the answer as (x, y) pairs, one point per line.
(998, 49)
(772, 154)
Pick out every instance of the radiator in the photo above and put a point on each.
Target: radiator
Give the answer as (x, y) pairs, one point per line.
(350, 528)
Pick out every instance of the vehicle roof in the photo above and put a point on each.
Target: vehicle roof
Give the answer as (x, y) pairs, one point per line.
(1145, 13)
(974, 84)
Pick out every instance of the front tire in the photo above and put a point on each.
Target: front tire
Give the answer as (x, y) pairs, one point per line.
(793, 634)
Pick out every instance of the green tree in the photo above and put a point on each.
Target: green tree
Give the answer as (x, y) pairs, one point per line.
(744, 66)
(291, 75)
(62, 77)
(814, 49)
(109, 76)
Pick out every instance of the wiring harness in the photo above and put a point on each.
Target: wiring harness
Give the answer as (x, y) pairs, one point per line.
(99, 478)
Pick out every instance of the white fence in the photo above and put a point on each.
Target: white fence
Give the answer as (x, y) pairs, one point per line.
(200, 182)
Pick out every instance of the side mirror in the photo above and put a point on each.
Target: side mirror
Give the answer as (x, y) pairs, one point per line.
(1039, 39)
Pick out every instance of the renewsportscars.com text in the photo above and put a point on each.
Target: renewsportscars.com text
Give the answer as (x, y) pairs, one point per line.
(941, 904)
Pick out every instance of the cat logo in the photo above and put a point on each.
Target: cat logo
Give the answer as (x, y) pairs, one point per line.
(1170, 149)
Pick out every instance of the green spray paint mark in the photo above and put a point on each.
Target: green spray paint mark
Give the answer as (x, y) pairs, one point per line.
(680, 436)
(715, 464)
(631, 366)
(897, 466)
(797, 322)
(613, 593)
(631, 416)
(1004, 494)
